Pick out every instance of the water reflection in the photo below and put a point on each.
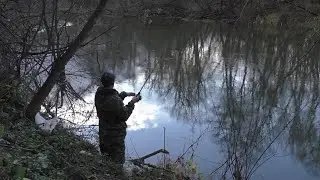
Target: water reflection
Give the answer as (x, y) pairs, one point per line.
(144, 116)
(258, 91)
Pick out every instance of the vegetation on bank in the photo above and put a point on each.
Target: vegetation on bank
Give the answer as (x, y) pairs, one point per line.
(29, 153)
(280, 13)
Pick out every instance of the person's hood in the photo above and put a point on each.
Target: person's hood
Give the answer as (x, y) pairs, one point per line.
(106, 91)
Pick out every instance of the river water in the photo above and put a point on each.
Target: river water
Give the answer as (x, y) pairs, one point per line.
(234, 99)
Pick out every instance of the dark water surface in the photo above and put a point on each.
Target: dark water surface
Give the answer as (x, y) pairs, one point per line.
(252, 96)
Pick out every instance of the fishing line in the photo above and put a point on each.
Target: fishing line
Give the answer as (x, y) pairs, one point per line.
(145, 82)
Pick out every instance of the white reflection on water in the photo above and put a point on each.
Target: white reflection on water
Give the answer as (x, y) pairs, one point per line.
(146, 111)
(143, 116)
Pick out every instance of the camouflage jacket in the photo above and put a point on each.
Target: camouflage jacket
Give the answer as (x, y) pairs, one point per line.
(111, 111)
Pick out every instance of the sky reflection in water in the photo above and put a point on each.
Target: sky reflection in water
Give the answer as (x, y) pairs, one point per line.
(145, 135)
(265, 94)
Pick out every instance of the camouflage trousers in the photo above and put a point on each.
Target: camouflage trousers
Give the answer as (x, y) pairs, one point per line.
(113, 146)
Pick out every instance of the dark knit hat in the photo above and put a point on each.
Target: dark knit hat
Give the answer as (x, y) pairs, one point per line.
(107, 79)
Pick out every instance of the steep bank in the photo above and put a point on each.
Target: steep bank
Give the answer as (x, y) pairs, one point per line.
(26, 152)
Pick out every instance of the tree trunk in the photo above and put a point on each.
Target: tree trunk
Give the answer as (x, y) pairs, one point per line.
(60, 62)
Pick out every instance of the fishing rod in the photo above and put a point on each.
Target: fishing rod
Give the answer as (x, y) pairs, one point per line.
(146, 80)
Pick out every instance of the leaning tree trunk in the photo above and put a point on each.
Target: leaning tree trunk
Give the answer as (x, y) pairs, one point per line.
(60, 62)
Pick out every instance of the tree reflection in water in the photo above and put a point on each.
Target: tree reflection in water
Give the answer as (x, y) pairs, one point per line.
(257, 90)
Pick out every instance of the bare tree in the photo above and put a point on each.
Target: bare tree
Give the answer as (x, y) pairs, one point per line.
(61, 61)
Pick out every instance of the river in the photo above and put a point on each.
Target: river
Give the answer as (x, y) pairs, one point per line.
(237, 99)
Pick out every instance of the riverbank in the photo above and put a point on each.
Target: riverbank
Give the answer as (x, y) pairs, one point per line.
(281, 14)
(27, 152)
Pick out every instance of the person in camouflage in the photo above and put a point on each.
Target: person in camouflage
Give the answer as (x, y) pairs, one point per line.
(113, 114)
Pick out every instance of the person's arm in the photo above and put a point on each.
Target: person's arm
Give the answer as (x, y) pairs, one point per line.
(123, 95)
(126, 110)
(113, 106)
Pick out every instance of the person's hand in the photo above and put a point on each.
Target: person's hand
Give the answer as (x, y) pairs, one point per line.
(136, 99)
(130, 93)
